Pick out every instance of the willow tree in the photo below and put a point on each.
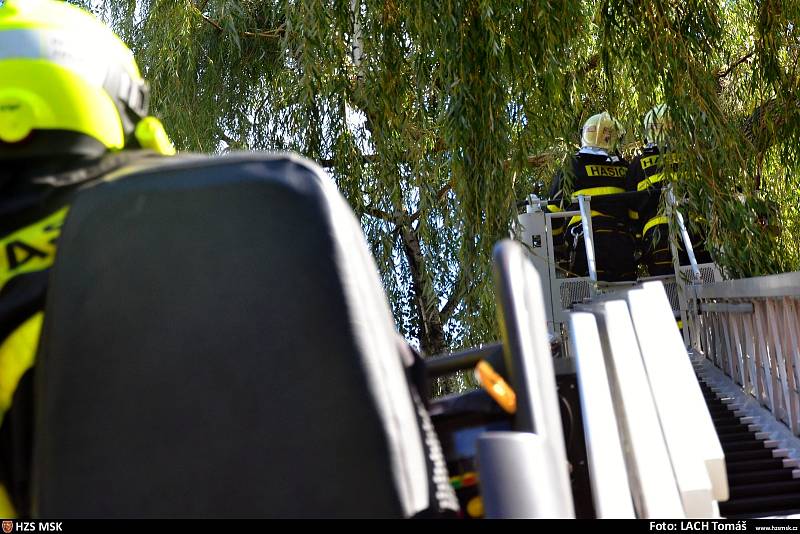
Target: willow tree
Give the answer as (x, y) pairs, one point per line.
(436, 116)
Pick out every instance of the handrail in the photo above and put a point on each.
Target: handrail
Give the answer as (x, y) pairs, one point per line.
(775, 285)
(687, 242)
(449, 363)
(584, 202)
(611, 196)
(588, 235)
(750, 329)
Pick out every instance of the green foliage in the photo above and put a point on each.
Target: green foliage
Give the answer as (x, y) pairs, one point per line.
(454, 110)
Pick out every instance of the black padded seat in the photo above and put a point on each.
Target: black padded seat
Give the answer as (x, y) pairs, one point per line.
(217, 344)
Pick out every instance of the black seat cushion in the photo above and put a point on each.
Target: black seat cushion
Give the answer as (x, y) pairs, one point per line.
(205, 354)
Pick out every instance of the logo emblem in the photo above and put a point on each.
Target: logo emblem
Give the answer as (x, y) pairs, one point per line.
(8, 526)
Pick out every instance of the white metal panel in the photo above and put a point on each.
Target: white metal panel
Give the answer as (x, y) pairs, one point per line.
(695, 450)
(536, 234)
(655, 493)
(524, 328)
(514, 469)
(610, 489)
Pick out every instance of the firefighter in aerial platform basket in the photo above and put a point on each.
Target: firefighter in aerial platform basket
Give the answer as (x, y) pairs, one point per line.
(649, 173)
(596, 171)
(73, 110)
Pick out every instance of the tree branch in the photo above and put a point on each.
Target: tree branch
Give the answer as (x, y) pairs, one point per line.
(537, 160)
(592, 63)
(380, 214)
(534, 160)
(756, 126)
(735, 64)
(269, 34)
(202, 7)
(210, 21)
(459, 288)
(365, 158)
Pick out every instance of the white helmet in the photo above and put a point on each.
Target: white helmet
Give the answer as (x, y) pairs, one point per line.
(600, 131)
(656, 123)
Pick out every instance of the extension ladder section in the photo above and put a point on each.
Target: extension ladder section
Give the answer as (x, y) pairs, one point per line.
(762, 481)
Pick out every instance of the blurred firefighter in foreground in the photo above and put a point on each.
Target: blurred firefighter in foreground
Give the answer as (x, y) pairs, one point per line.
(595, 171)
(73, 110)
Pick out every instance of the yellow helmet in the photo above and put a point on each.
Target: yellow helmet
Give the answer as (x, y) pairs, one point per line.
(656, 123)
(68, 84)
(600, 131)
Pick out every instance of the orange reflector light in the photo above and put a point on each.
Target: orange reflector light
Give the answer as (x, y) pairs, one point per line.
(496, 387)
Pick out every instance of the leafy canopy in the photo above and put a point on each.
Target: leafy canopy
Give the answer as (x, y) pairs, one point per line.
(449, 111)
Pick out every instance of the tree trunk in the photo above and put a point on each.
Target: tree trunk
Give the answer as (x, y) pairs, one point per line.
(759, 127)
(431, 328)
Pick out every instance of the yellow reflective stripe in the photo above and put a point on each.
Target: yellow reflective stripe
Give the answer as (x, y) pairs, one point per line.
(6, 508)
(605, 170)
(633, 215)
(16, 356)
(577, 218)
(597, 191)
(670, 158)
(555, 209)
(30, 249)
(647, 182)
(649, 161)
(660, 219)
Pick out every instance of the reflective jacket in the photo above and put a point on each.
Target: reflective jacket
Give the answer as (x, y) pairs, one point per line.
(595, 174)
(650, 172)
